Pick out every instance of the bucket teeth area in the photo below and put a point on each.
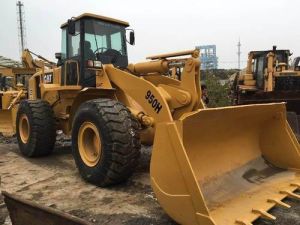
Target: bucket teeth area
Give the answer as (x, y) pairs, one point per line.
(279, 203)
(290, 194)
(264, 214)
(252, 199)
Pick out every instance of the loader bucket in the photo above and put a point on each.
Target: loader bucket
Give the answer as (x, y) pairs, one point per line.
(24, 212)
(6, 121)
(225, 166)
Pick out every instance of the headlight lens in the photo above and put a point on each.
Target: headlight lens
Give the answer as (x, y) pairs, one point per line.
(93, 64)
(97, 64)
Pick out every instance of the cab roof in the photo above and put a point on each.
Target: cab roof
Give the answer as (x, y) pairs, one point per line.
(278, 51)
(99, 17)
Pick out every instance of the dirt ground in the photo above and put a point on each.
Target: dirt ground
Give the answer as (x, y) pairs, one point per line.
(54, 181)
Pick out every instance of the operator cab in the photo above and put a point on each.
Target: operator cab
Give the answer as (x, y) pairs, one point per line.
(260, 63)
(88, 41)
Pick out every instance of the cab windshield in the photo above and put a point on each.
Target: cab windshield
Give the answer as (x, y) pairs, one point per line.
(105, 42)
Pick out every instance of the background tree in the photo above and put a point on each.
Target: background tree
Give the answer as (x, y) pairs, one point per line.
(218, 93)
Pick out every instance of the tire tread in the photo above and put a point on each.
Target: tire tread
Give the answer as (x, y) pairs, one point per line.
(122, 138)
(42, 130)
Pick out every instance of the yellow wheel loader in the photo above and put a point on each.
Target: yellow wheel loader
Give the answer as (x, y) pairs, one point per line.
(14, 84)
(218, 166)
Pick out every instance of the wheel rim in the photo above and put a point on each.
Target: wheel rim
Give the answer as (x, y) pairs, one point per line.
(24, 128)
(89, 144)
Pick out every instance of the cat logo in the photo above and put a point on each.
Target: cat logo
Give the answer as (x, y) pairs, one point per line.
(48, 78)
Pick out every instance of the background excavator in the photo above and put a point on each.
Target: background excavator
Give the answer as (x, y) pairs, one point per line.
(110, 107)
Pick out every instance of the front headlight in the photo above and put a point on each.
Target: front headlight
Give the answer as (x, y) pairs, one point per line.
(94, 64)
(97, 64)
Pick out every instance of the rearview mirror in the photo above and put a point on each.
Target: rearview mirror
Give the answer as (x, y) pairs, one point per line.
(71, 27)
(58, 55)
(131, 38)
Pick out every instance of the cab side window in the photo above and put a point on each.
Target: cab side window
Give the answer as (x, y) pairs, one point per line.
(74, 42)
(64, 44)
(258, 71)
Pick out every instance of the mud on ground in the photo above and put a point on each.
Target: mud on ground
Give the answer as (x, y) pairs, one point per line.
(54, 181)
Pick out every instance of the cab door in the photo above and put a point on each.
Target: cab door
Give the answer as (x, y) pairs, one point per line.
(71, 56)
(259, 70)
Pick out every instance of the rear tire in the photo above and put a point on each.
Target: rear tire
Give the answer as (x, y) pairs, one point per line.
(105, 142)
(36, 130)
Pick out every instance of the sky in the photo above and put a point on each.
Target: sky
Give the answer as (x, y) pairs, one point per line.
(162, 26)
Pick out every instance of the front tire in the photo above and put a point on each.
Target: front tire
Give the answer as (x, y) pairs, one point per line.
(105, 142)
(36, 129)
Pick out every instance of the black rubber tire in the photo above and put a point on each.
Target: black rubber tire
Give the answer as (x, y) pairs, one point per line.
(120, 140)
(42, 125)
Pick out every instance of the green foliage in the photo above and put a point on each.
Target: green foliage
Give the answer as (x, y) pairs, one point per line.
(218, 94)
(220, 73)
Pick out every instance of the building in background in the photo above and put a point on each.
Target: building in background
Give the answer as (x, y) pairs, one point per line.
(208, 57)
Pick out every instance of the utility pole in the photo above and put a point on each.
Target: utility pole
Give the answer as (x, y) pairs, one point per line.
(21, 26)
(239, 54)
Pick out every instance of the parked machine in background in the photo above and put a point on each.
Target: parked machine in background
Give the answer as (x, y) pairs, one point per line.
(14, 85)
(110, 107)
(269, 78)
(296, 64)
